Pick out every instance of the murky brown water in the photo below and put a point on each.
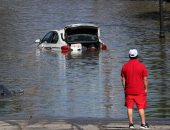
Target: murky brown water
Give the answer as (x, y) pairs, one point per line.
(86, 85)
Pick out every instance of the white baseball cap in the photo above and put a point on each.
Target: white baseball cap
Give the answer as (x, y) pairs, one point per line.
(133, 53)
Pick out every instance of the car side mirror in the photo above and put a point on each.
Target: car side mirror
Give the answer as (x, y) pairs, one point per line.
(38, 41)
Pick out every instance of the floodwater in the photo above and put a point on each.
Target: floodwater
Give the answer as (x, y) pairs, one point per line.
(83, 85)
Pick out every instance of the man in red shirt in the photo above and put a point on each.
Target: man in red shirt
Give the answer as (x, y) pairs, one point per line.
(135, 83)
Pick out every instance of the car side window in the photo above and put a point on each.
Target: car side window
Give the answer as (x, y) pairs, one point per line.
(51, 37)
(48, 37)
(55, 37)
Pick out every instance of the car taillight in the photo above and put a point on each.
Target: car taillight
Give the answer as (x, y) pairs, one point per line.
(64, 48)
(104, 47)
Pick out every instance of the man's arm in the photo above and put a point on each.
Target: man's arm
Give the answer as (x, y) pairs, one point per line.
(146, 84)
(123, 82)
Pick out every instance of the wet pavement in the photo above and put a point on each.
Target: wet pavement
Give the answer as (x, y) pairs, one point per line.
(45, 124)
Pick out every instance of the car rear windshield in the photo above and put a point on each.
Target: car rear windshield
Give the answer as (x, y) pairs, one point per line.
(82, 38)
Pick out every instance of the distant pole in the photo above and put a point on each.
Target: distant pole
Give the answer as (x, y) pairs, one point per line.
(161, 17)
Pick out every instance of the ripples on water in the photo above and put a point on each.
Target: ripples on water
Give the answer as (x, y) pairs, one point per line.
(86, 85)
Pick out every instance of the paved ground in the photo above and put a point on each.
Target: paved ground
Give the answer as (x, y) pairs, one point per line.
(60, 124)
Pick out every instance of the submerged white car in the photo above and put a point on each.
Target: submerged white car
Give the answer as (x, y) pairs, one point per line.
(74, 37)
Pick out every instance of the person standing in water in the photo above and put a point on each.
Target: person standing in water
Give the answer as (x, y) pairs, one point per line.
(135, 83)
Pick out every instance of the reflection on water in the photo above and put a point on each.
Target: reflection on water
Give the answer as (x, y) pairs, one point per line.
(83, 84)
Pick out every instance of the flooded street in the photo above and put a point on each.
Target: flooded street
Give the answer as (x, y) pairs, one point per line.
(88, 84)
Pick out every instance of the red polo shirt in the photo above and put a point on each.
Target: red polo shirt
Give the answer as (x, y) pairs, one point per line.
(134, 72)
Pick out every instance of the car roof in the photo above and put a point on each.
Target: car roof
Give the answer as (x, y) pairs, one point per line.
(60, 31)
